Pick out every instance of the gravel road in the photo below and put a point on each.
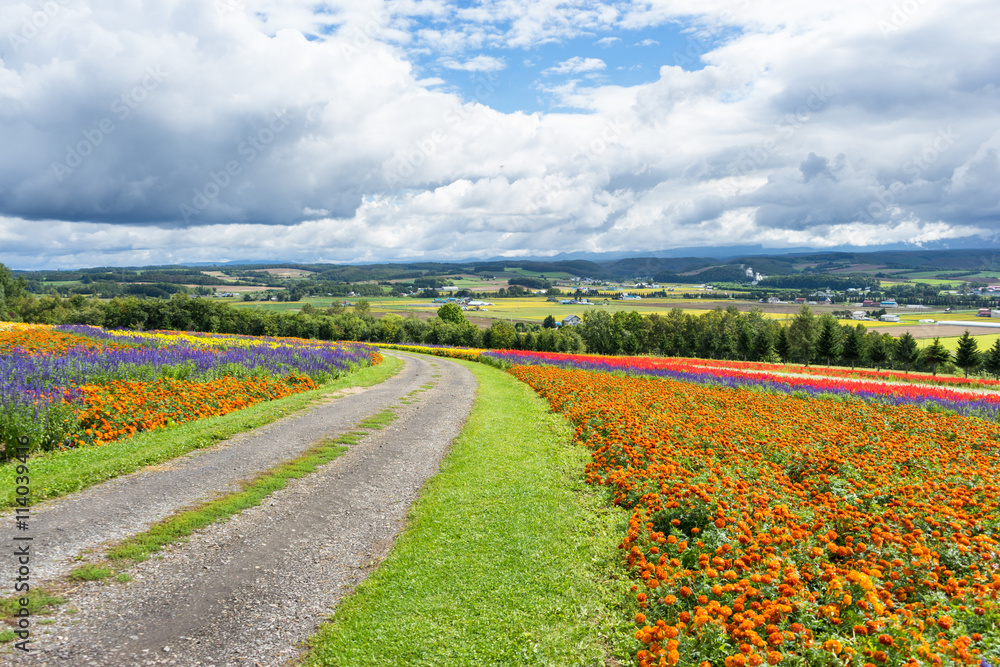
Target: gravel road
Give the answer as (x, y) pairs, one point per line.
(250, 590)
(126, 505)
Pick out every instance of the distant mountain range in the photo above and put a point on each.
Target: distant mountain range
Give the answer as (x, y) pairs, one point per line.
(717, 263)
(700, 252)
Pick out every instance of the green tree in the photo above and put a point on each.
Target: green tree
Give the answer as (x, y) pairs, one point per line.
(781, 346)
(935, 354)
(501, 335)
(802, 333)
(854, 345)
(991, 361)
(744, 340)
(601, 333)
(878, 350)
(362, 307)
(451, 312)
(632, 327)
(907, 351)
(828, 343)
(763, 346)
(549, 322)
(392, 327)
(11, 289)
(967, 355)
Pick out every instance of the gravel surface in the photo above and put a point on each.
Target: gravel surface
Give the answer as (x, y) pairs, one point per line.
(65, 527)
(250, 590)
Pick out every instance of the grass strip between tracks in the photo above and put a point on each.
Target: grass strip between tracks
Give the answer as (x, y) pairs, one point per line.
(508, 557)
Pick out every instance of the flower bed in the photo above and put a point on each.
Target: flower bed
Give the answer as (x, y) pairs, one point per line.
(768, 529)
(984, 404)
(74, 386)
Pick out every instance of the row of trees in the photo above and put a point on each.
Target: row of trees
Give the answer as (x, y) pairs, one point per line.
(717, 334)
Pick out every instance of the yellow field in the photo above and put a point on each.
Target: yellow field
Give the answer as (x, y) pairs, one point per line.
(534, 309)
(985, 341)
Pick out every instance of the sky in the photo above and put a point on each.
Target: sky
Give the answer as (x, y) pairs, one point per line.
(138, 132)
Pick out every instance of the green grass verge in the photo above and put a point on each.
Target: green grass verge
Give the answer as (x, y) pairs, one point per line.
(55, 474)
(90, 572)
(508, 557)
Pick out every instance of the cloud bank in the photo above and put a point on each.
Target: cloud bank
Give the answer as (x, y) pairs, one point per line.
(185, 130)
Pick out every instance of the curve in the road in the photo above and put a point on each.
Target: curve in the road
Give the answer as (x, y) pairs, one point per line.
(250, 590)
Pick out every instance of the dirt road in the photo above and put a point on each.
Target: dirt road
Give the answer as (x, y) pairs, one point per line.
(248, 591)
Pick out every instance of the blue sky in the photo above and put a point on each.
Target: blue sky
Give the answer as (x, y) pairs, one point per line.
(524, 77)
(169, 131)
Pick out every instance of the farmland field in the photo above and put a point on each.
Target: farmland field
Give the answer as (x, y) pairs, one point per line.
(535, 309)
(77, 386)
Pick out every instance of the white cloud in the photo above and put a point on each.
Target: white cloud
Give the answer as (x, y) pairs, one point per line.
(606, 42)
(576, 65)
(648, 42)
(480, 63)
(809, 124)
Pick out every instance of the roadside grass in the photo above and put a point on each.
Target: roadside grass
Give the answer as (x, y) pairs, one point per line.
(90, 572)
(508, 557)
(55, 474)
(39, 602)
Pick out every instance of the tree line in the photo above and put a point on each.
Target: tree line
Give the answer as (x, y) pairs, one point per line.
(717, 334)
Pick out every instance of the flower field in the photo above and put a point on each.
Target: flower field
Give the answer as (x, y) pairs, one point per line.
(467, 353)
(768, 528)
(963, 400)
(73, 386)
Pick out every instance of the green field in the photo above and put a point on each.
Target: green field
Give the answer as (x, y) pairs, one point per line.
(290, 306)
(551, 275)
